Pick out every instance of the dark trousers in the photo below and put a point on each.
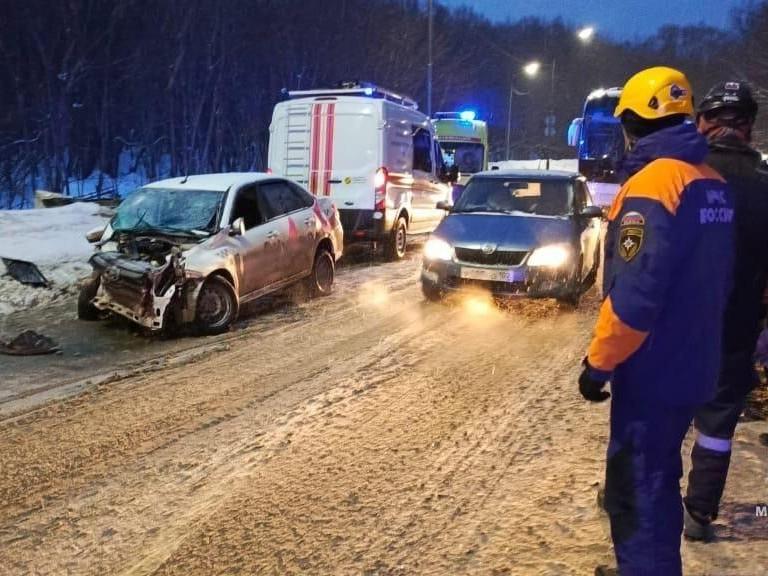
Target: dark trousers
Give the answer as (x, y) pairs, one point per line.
(642, 485)
(716, 423)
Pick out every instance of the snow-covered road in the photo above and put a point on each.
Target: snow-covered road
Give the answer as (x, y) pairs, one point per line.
(367, 433)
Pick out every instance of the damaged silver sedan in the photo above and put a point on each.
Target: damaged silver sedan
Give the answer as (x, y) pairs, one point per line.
(191, 251)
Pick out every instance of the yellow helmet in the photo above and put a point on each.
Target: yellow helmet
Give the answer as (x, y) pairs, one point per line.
(655, 93)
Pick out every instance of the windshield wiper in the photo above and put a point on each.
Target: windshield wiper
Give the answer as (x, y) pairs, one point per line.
(469, 210)
(167, 230)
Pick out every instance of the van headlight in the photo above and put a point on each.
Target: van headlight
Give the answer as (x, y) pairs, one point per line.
(552, 256)
(437, 249)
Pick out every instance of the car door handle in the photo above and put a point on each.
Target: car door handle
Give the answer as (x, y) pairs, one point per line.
(309, 221)
(272, 235)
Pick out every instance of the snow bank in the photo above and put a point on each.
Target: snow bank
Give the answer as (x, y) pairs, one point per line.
(52, 238)
(569, 164)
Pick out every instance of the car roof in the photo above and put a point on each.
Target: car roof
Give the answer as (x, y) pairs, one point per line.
(216, 182)
(529, 174)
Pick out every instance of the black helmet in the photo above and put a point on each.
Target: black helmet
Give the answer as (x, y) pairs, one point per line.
(736, 96)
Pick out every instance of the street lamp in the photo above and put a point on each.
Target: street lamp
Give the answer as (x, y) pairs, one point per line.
(586, 33)
(532, 69)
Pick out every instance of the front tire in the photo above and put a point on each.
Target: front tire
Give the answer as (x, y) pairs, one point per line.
(431, 292)
(320, 281)
(217, 306)
(397, 243)
(569, 301)
(85, 309)
(591, 277)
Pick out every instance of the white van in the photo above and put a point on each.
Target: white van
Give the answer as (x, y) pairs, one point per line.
(372, 151)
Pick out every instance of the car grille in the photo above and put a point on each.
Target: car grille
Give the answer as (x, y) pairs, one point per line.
(497, 258)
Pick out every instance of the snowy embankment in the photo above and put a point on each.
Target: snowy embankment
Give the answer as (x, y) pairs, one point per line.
(569, 164)
(54, 240)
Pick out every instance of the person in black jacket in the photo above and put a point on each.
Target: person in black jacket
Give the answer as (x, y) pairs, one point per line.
(725, 117)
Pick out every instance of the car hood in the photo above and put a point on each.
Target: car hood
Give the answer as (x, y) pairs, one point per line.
(506, 231)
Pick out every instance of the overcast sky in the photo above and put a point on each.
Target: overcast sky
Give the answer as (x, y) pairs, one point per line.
(623, 19)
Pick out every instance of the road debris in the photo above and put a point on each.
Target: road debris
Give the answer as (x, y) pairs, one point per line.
(29, 343)
(25, 272)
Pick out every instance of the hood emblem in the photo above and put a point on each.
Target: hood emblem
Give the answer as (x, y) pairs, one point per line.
(488, 249)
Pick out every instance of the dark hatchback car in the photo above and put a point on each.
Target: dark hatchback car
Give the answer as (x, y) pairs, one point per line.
(517, 233)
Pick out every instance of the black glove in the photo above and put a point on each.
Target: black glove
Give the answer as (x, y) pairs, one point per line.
(590, 388)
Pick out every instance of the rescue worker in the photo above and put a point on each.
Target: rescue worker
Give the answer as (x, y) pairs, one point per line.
(725, 117)
(657, 338)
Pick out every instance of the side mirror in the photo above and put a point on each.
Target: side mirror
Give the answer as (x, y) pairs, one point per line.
(443, 205)
(238, 227)
(95, 235)
(592, 212)
(574, 132)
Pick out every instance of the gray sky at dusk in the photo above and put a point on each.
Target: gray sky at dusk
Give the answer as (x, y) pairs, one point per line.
(622, 19)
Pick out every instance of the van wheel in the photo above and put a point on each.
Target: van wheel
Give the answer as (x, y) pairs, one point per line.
(85, 309)
(216, 307)
(397, 243)
(320, 281)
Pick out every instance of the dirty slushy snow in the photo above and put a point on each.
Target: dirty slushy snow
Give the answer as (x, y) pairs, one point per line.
(54, 240)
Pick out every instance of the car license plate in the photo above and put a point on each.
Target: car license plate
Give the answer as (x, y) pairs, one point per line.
(504, 275)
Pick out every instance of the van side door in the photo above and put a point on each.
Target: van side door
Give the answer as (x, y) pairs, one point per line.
(427, 189)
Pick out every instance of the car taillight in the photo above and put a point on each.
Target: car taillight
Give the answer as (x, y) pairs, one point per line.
(380, 188)
(269, 170)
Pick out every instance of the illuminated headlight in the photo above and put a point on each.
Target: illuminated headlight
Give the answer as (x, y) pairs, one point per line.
(437, 249)
(552, 256)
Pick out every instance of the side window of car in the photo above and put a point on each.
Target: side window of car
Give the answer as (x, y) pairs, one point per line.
(279, 198)
(422, 149)
(580, 197)
(247, 207)
(588, 194)
(305, 196)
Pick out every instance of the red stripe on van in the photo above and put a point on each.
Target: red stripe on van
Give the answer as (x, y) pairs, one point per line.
(314, 151)
(329, 148)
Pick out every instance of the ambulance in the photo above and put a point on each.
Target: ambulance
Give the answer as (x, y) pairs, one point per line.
(464, 142)
(373, 152)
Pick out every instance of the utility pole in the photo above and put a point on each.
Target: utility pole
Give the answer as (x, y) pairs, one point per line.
(429, 58)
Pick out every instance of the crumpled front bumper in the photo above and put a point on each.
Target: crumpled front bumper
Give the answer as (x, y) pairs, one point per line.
(135, 289)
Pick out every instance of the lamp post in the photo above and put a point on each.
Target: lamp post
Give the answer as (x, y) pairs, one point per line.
(430, 25)
(531, 70)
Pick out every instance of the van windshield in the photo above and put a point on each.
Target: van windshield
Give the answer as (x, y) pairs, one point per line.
(468, 157)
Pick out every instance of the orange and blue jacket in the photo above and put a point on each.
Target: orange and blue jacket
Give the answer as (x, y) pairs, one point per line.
(668, 268)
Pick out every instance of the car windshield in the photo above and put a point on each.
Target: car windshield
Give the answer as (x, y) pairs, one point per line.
(169, 210)
(516, 195)
(467, 157)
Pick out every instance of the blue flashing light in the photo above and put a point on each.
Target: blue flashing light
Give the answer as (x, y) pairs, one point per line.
(468, 115)
(368, 91)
